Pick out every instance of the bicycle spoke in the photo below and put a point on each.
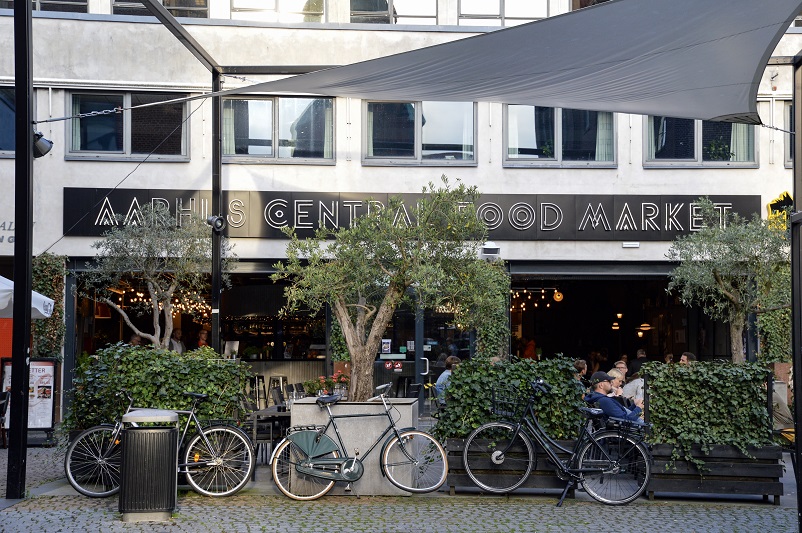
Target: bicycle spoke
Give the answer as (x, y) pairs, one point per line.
(223, 466)
(292, 483)
(92, 462)
(625, 466)
(416, 462)
(497, 458)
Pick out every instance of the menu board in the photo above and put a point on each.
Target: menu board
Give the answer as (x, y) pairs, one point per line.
(40, 392)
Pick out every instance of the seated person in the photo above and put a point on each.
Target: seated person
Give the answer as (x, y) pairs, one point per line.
(634, 389)
(601, 385)
(617, 389)
(442, 381)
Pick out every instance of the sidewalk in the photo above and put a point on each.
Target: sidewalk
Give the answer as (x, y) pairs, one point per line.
(55, 506)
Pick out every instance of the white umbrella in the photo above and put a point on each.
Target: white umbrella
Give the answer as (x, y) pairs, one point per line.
(41, 306)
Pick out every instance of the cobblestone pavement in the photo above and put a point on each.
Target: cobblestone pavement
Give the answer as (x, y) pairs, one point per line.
(54, 507)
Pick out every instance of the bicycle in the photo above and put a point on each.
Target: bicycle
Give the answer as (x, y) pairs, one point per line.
(218, 459)
(612, 464)
(308, 462)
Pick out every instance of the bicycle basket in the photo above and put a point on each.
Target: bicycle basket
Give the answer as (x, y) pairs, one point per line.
(508, 403)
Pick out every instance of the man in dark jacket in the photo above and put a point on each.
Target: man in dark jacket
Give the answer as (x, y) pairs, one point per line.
(601, 384)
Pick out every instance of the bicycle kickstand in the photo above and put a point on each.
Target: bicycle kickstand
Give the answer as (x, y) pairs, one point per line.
(568, 486)
(349, 489)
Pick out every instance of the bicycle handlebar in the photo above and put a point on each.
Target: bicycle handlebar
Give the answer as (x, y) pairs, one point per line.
(540, 385)
(382, 390)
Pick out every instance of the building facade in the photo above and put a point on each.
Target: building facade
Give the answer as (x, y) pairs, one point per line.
(583, 205)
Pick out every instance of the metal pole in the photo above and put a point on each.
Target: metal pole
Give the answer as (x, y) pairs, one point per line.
(23, 249)
(217, 207)
(796, 276)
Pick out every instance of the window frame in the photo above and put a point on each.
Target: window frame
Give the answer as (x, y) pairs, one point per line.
(393, 20)
(416, 160)
(788, 125)
(698, 142)
(500, 20)
(53, 5)
(558, 161)
(245, 12)
(126, 153)
(133, 8)
(274, 159)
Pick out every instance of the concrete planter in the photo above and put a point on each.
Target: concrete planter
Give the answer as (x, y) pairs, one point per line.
(358, 435)
(726, 471)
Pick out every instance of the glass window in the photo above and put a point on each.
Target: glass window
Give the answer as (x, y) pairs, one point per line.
(501, 12)
(530, 132)
(570, 136)
(155, 130)
(394, 11)
(278, 10)
(579, 4)
(303, 126)
(420, 131)
(8, 109)
(177, 8)
(789, 140)
(69, 6)
(587, 135)
(698, 142)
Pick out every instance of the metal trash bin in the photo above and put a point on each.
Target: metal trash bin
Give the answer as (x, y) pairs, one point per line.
(149, 477)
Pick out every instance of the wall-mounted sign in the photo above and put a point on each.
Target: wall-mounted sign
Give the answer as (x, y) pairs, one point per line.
(262, 214)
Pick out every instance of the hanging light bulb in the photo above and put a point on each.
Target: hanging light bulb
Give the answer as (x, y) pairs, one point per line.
(558, 296)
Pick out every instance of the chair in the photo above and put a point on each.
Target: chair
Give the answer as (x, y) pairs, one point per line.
(299, 387)
(279, 381)
(413, 391)
(4, 396)
(264, 433)
(258, 392)
(277, 395)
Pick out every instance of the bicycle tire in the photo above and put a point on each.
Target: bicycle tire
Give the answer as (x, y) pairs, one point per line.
(415, 461)
(227, 467)
(626, 478)
(486, 462)
(93, 462)
(292, 483)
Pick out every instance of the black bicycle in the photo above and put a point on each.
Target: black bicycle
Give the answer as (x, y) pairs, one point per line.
(218, 459)
(612, 463)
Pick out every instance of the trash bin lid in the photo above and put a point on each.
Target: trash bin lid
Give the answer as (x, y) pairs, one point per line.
(150, 415)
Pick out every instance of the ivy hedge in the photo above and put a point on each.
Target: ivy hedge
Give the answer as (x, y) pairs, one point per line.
(708, 403)
(703, 403)
(155, 378)
(469, 395)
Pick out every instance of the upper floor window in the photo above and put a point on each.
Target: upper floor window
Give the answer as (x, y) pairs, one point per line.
(278, 10)
(579, 4)
(278, 128)
(70, 6)
(157, 131)
(680, 140)
(394, 11)
(501, 12)
(177, 8)
(420, 132)
(8, 108)
(548, 136)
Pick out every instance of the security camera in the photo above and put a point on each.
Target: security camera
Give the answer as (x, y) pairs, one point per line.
(217, 223)
(490, 252)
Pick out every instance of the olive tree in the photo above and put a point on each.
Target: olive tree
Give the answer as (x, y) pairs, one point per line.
(732, 267)
(165, 256)
(425, 254)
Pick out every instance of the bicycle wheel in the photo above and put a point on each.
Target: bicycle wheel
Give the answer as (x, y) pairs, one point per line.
(626, 466)
(415, 462)
(92, 462)
(292, 483)
(224, 466)
(497, 459)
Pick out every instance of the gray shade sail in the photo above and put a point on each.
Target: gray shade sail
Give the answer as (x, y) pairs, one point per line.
(698, 59)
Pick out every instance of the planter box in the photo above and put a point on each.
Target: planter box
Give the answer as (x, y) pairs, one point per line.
(541, 477)
(726, 471)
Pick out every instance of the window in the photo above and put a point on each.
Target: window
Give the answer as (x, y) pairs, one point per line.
(680, 140)
(270, 129)
(8, 109)
(789, 141)
(177, 8)
(420, 132)
(579, 4)
(394, 11)
(552, 137)
(278, 10)
(501, 12)
(157, 130)
(69, 6)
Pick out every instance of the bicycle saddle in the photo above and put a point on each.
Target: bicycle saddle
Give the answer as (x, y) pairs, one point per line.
(328, 399)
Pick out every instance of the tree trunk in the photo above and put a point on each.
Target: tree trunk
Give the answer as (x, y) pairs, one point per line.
(736, 338)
